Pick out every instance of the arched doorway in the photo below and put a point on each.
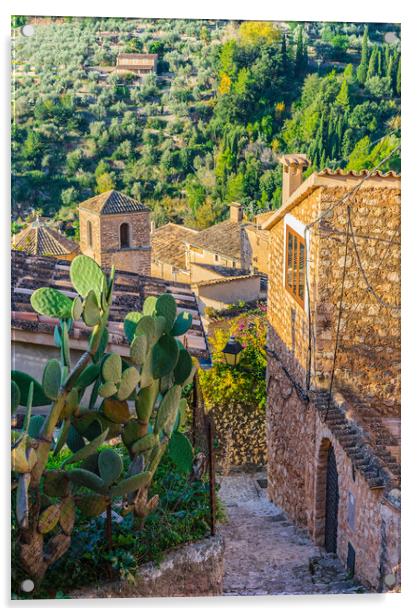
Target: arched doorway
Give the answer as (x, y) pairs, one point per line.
(331, 503)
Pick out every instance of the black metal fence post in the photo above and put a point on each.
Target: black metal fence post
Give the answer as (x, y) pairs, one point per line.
(212, 487)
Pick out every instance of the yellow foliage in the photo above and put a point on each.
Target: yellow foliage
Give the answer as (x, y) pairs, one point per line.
(255, 32)
(280, 107)
(225, 84)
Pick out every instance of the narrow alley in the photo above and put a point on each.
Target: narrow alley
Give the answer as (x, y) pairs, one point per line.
(266, 554)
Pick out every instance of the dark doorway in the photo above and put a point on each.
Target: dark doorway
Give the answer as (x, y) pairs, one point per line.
(331, 503)
(124, 235)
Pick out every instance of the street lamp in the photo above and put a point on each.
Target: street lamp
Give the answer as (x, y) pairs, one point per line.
(232, 352)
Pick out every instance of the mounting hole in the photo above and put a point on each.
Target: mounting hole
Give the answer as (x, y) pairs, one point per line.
(28, 30)
(27, 585)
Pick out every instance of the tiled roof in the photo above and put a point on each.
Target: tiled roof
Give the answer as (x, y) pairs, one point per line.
(113, 202)
(331, 179)
(167, 244)
(223, 238)
(208, 283)
(358, 174)
(295, 159)
(130, 290)
(137, 56)
(39, 238)
(222, 270)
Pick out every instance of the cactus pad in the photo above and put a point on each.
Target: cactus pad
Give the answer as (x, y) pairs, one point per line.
(181, 452)
(86, 275)
(112, 368)
(183, 367)
(168, 408)
(116, 410)
(139, 347)
(91, 310)
(167, 308)
(182, 324)
(51, 303)
(49, 519)
(87, 479)
(67, 515)
(129, 380)
(76, 309)
(131, 484)
(149, 305)
(110, 466)
(107, 389)
(164, 356)
(130, 323)
(51, 379)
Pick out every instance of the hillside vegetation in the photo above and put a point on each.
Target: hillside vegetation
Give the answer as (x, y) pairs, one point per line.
(208, 129)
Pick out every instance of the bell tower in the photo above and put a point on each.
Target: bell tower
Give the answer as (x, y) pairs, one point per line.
(115, 230)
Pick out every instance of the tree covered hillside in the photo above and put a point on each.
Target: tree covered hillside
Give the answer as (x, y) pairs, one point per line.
(228, 98)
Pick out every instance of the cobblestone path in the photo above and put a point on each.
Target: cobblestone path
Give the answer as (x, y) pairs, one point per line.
(266, 554)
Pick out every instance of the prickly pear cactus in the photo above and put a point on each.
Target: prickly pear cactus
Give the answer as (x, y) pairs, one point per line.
(103, 396)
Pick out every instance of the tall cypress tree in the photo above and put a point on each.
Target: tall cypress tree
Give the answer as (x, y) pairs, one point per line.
(362, 68)
(372, 69)
(379, 63)
(398, 78)
(299, 55)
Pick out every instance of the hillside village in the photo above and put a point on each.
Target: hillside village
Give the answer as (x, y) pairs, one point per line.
(300, 261)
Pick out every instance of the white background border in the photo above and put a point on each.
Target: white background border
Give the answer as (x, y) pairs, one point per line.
(303, 10)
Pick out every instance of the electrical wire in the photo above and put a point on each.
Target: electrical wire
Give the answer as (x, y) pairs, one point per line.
(340, 312)
(306, 229)
(363, 273)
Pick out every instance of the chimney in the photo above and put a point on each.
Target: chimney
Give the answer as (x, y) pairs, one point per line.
(235, 212)
(293, 166)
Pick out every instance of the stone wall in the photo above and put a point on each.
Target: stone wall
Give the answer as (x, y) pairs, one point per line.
(241, 435)
(93, 251)
(106, 249)
(297, 445)
(194, 570)
(367, 368)
(368, 361)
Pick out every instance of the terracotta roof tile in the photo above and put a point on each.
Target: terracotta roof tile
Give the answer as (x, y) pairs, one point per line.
(113, 202)
(130, 291)
(357, 174)
(223, 238)
(39, 238)
(167, 244)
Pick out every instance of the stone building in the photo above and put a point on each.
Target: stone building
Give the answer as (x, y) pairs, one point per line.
(41, 239)
(115, 230)
(168, 252)
(224, 263)
(138, 63)
(333, 383)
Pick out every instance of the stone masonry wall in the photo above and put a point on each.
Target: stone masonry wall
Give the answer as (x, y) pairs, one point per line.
(93, 251)
(106, 249)
(287, 318)
(368, 361)
(297, 447)
(367, 366)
